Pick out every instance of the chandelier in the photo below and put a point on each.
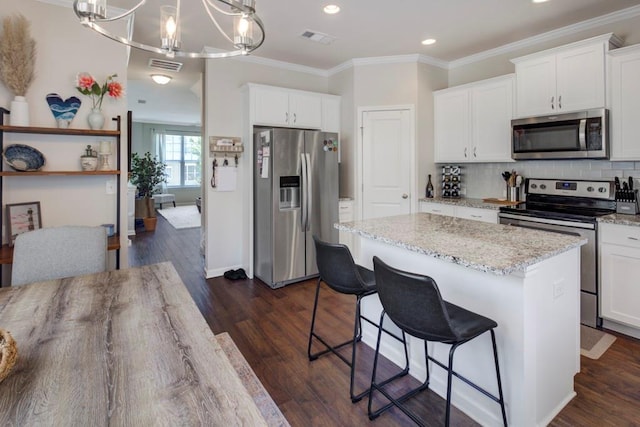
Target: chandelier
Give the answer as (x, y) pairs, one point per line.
(93, 13)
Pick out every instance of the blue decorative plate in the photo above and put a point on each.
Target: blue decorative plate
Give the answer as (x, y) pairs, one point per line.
(23, 158)
(63, 110)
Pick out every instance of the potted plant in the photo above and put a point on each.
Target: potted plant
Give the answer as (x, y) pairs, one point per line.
(147, 173)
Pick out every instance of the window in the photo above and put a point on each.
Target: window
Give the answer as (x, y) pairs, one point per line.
(182, 156)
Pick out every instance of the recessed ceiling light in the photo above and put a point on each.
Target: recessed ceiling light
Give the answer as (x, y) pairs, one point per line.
(539, 1)
(428, 41)
(161, 79)
(331, 9)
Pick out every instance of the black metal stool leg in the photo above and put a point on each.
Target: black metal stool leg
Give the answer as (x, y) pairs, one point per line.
(313, 323)
(500, 395)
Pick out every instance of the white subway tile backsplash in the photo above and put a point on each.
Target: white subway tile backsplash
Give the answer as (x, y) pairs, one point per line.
(485, 180)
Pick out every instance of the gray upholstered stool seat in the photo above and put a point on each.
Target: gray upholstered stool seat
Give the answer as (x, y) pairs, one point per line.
(159, 199)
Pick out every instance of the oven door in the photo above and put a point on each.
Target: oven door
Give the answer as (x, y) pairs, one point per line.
(588, 257)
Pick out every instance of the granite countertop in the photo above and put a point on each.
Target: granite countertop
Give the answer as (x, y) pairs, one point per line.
(468, 202)
(621, 219)
(493, 248)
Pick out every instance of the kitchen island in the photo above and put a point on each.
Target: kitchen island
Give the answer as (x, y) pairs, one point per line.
(528, 281)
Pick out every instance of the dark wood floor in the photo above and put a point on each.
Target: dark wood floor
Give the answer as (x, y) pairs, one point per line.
(270, 327)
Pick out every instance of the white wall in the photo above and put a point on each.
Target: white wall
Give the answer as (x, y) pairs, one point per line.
(64, 48)
(227, 213)
(342, 84)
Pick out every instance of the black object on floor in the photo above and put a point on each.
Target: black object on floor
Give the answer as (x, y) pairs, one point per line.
(238, 274)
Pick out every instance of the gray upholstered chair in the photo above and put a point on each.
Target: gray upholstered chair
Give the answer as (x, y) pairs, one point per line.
(57, 252)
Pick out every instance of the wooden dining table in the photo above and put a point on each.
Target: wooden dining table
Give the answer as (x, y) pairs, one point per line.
(125, 348)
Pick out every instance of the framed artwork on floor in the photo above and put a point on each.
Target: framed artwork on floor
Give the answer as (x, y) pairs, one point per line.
(22, 217)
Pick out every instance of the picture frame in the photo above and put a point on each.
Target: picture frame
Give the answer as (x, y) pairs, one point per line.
(21, 218)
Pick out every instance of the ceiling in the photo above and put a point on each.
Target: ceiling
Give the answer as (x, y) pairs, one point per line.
(363, 28)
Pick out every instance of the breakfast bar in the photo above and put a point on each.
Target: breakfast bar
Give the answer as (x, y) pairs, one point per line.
(525, 280)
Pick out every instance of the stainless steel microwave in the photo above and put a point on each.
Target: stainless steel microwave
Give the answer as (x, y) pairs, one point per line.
(580, 135)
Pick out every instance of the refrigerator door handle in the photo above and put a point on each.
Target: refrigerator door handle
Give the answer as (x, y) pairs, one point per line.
(305, 212)
(309, 192)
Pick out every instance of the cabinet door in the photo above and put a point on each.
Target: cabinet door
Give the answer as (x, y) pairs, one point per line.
(625, 105)
(492, 111)
(452, 126)
(331, 114)
(271, 106)
(477, 214)
(580, 78)
(305, 110)
(620, 291)
(536, 86)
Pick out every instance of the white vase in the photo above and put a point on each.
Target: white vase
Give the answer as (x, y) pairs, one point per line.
(95, 119)
(19, 112)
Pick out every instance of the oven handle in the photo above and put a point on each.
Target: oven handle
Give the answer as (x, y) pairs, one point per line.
(548, 221)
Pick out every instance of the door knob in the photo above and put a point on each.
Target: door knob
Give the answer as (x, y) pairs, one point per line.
(405, 196)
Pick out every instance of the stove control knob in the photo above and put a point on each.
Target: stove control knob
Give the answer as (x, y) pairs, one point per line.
(590, 189)
(543, 186)
(534, 186)
(602, 189)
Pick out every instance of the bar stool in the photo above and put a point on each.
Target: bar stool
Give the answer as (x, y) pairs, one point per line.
(413, 302)
(339, 271)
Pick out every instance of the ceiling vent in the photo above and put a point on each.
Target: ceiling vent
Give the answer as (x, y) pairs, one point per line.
(163, 64)
(317, 37)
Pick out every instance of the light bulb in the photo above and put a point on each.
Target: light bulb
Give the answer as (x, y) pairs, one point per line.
(171, 26)
(243, 27)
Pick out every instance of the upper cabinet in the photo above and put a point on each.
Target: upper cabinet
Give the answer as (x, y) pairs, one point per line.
(564, 79)
(473, 122)
(286, 107)
(625, 102)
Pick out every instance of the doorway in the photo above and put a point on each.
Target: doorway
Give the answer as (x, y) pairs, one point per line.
(387, 178)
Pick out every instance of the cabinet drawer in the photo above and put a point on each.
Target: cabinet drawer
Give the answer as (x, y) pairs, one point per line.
(620, 235)
(477, 214)
(437, 208)
(345, 211)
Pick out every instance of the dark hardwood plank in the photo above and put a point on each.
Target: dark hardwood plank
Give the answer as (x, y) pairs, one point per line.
(270, 327)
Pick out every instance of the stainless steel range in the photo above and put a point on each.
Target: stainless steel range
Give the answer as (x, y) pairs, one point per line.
(570, 207)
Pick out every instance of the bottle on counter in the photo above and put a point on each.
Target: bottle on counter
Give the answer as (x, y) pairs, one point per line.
(429, 190)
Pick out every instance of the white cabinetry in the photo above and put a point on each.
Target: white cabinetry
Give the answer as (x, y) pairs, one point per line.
(625, 102)
(473, 122)
(286, 107)
(619, 273)
(563, 79)
(331, 113)
(345, 214)
(465, 212)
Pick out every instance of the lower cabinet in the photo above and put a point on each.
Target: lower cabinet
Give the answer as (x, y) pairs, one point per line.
(620, 273)
(475, 214)
(345, 214)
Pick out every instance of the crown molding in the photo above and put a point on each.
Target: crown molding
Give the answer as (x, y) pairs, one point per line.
(589, 24)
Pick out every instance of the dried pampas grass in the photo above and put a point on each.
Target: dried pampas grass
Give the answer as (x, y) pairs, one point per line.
(17, 54)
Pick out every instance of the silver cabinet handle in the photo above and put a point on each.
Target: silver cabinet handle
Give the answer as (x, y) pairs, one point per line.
(552, 106)
(474, 152)
(560, 102)
(294, 117)
(405, 196)
(465, 152)
(633, 238)
(436, 210)
(476, 216)
(286, 117)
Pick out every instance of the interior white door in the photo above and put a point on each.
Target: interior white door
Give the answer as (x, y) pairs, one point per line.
(386, 163)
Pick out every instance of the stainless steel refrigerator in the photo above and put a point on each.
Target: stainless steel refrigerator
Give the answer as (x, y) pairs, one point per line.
(295, 195)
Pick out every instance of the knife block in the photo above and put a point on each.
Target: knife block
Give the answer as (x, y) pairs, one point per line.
(627, 202)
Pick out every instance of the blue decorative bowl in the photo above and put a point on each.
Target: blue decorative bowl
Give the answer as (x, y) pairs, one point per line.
(23, 158)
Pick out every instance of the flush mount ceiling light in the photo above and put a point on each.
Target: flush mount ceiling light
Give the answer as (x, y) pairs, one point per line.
(161, 79)
(331, 9)
(427, 42)
(539, 1)
(93, 14)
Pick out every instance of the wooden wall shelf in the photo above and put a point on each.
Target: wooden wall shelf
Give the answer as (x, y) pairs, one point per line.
(6, 252)
(63, 173)
(58, 131)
